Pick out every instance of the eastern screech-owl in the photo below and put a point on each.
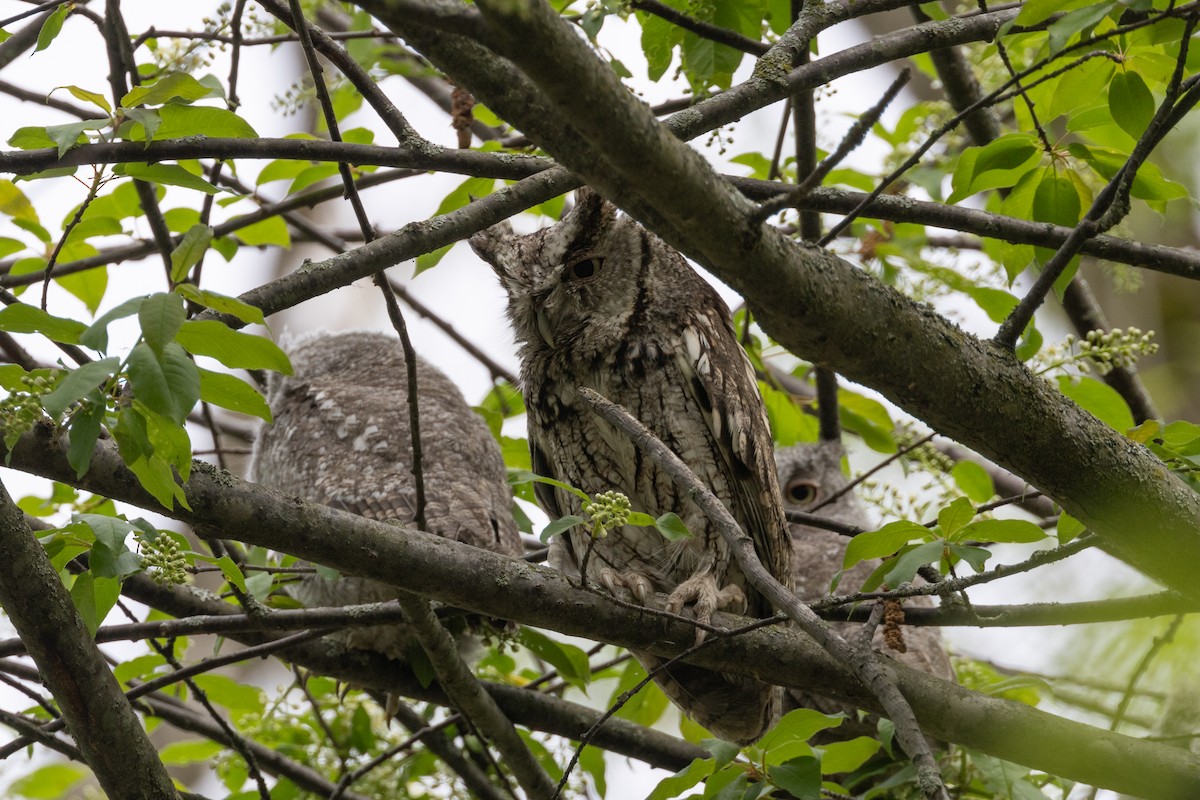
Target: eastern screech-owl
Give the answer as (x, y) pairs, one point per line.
(808, 474)
(599, 301)
(341, 437)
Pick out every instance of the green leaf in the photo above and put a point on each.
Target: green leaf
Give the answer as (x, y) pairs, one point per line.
(883, 542)
(160, 316)
(96, 334)
(789, 423)
(179, 121)
(671, 527)
(171, 86)
(94, 597)
(560, 526)
(14, 203)
(189, 251)
(110, 557)
(165, 175)
(975, 556)
(22, 318)
(1011, 531)
(973, 480)
(906, 565)
(50, 782)
(88, 97)
(570, 661)
(168, 384)
(999, 164)
(519, 476)
(798, 725)
(89, 285)
(1068, 528)
(232, 348)
(52, 26)
(848, 756)
(1099, 399)
(85, 431)
(681, 781)
(190, 751)
(230, 694)
(270, 231)
(232, 572)
(70, 134)
(79, 382)
(230, 391)
(222, 303)
(157, 478)
(954, 516)
(1034, 11)
(801, 777)
(1130, 102)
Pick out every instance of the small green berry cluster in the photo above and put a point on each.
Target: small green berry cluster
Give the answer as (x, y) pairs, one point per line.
(606, 511)
(163, 559)
(20, 411)
(1116, 348)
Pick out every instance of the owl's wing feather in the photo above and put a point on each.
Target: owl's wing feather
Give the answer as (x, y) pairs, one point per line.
(739, 426)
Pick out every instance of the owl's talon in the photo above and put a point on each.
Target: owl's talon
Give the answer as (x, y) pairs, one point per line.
(637, 584)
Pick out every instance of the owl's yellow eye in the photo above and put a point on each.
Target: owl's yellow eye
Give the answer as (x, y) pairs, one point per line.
(801, 492)
(584, 268)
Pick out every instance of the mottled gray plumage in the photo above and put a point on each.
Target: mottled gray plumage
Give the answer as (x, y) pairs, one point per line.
(599, 301)
(808, 474)
(341, 437)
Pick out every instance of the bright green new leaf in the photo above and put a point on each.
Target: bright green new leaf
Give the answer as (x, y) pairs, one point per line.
(160, 316)
(1099, 399)
(70, 134)
(230, 391)
(973, 480)
(906, 566)
(798, 725)
(179, 121)
(14, 203)
(189, 251)
(171, 86)
(561, 525)
(94, 597)
(1068, 528)
(166, 175)
(671, 527)
(79, 382)
(883, 542)
(1011, 531)
(232, 348)
(681, 781)
(849, 755)
(22, 318)
(271, 231)
(156, 477)
(169, 383)
(88, 97)
(50, 782)
(52, 26)
(954, 516)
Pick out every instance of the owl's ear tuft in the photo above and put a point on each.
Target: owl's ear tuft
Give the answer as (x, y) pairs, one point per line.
(489, 242)
(591, 208)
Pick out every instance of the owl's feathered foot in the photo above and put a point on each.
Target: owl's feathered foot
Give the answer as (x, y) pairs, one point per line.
(702, 593)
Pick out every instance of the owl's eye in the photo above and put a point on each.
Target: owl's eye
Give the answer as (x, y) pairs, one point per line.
(584, 268)
(801, 492)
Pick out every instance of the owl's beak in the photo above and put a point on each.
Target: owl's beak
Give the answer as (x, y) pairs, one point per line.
(543, 326)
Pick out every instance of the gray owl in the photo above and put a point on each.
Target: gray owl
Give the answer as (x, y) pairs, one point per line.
(599, 301)
(341, 437)
(808, 474)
